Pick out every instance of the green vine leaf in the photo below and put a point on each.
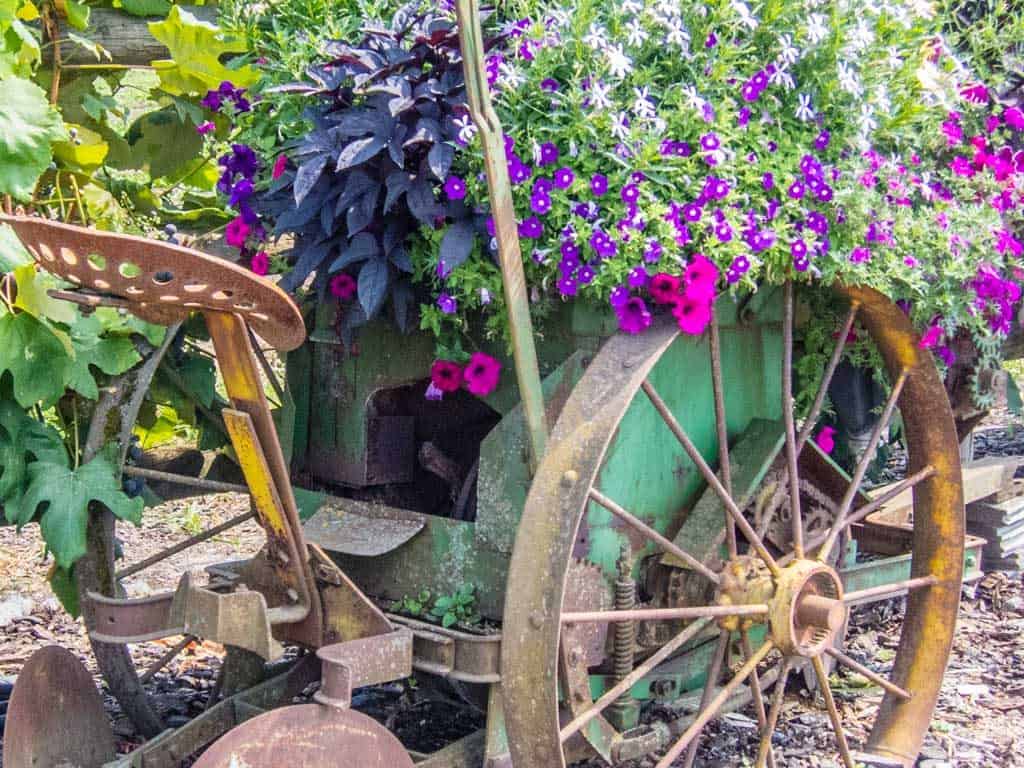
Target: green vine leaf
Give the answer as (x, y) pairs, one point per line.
(28, 127)
(22, 437)
(35, 357)
(63, 496)
(196, 49)
(12, 252)
(77, 13)
(112, 355)
(33, 298)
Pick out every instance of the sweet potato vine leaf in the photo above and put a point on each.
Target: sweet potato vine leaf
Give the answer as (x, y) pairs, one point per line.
(60, 497)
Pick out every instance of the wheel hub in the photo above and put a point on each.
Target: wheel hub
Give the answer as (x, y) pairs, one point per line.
(805, 602)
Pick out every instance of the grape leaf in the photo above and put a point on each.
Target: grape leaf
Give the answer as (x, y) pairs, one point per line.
(12, 252)
(21, 437)
(85, 154)
(28, 128)
(112, 355)
(33, 298)
(145, 7)
(65, 587)
(77, 14)
(64, 496)
(35, 357)
(196, 49)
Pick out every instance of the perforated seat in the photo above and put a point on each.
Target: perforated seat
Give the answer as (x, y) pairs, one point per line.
(157, 281)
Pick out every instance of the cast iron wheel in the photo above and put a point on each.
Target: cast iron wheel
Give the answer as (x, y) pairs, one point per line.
(555, 627)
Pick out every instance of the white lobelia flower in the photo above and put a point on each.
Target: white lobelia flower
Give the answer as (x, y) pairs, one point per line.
(923, 8)
(559, 18)
(790, 54)
(782, 77)
(636, 35)
(848, 79)
(467, 129)
(804, 109)
(509, 76)
(619, 64)
(677, 34)
(599, 95)
(574, 150)
(657, 125)
(866, 120)
(882, 100)
(893, 59)
(862, 36)
(643, 107)
(694, 99)
(596, 37)
(747, 19)
(633, 7)
(535, 151)
(817, 28)
(620, 126)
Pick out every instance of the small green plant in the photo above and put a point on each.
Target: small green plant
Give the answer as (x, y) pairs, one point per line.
(191, 522)
(457, 608)
(413, 606)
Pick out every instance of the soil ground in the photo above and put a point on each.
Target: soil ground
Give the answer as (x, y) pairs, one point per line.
(979, 722)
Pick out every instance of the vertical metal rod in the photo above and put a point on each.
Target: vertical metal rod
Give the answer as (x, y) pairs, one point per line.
(787, 419)
(755, 689)
(765, 746)
(513, 277)
(709, 689)
(723, 431)
(833, 712)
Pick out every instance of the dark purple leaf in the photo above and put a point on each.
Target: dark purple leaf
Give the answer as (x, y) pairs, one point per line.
(373, 285)
(362, 247)
(397, 183)
(309, 258)
(308, 175)
(429, 110)
(400, 104)
(359, 151)
(440, 158)
(420, 199)
(356, 185)
(362, 122)
(402, 303)
(394, 233)
(395, 145)
(360, 215)
(457, 244)
(427, 129)
(401, 259)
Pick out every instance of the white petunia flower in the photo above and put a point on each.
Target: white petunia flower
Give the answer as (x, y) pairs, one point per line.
(790, 54)
(817, 28)
(636, 35)
(599, 95)
(619, 64)
(467, 129)
(804, 109)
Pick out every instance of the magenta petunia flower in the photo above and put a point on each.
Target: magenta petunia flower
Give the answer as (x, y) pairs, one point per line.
(236, 233)
(664, 288)
(961, 166)
(342, 286)
(693, 313)
(454, 188)
(482, 374)
(204, 128)
(825, 439)
(280, 165)
(1014, 118)
(976, 93)
(446, 375)
(931, 337)
(633, 315)
(260, 263)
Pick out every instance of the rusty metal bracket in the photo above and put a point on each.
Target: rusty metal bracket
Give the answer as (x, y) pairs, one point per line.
(368, 661)
(133, 621)
(453, 654)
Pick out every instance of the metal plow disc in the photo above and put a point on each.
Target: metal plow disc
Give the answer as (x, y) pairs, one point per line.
(310, 735)
(55, 718)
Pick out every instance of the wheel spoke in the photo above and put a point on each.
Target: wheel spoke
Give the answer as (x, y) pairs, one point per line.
(862, 467)
(826, 379)
(755, 689)
(885, 591)
(874, 677)
(833, 713)
(710, 477)
(723, 432)
(867, 509)
(714, 705)
(665, 614)
(667, 545)
(166, 658)
(796, 517)
(709, 688)
(764, 749)
(632, 678)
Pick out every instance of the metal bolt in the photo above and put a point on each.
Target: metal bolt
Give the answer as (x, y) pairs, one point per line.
(569, 478)
(293, 595)
(282, 557)
(627, 363)
(574, 658)
(536, 620)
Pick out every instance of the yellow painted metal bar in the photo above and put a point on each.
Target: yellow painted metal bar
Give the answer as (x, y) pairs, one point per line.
(257, 473)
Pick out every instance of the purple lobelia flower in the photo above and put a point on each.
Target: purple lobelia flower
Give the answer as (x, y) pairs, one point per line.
(549, 85)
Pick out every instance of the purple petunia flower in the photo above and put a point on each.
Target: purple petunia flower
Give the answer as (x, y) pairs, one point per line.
(743, 117)
(567, 286)
(709, 142)
(213, 101)
(653, 251)
(692, 212)
(630, 193)
(602, 244)
(454, 188)
(796, 190)
(739, 267)
(518, 171)
(598, 184)
(542, 185)
(821, 142)
(241, 191)
(638, 277)
(798, 249)
(817, 222)
(540, 203)
(531, 228)
(548, 153)
(619, 296)
(564, 177)
(633, 315)
(723, 232)
(549, 85)
(585, 274)
(447, 304)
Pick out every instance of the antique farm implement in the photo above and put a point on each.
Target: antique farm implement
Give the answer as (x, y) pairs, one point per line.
(644, 521)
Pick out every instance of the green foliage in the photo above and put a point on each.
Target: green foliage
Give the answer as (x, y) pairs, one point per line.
(59, 498)
(413, 606)
(28, 128)
(27, 348)
(22, 441)
(457, 608)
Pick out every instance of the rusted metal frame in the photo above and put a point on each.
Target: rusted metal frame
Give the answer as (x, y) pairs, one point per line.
(725, 469)
(709, 476)
(826, 379)
(261, 358)
(665, 614)
(500, 188)
(467, 752)
(765, 745)
(787, 420)
(862, 466)
(860, 669)
(710, 684)
(166, 658)
(665, 544)
(632, 678)
(708, 713)
(867, 509)
(133, 621)
(452, 654)
(833, 712)
(195, 482)
(755, 690)
(181, 546)
(268, 474)
(885, 591)
(366, 661)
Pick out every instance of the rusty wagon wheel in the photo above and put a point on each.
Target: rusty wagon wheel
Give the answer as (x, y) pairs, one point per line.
(735, 586)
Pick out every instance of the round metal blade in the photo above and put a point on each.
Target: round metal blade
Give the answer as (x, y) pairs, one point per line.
(55, 716)
(310, 735)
